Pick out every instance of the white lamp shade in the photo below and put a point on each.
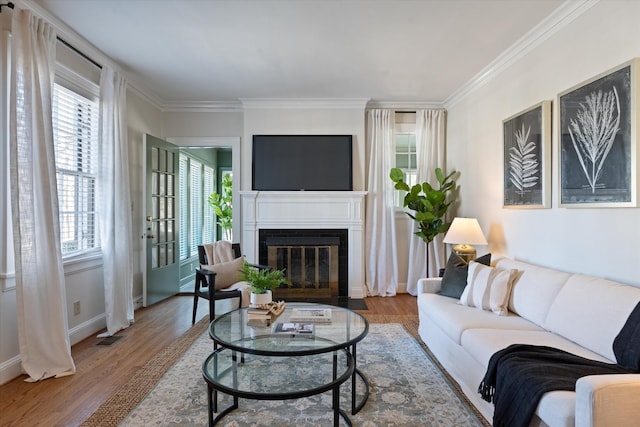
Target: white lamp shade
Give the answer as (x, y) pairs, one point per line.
(466, 231)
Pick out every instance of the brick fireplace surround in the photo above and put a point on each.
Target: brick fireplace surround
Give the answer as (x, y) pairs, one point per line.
(308, 210)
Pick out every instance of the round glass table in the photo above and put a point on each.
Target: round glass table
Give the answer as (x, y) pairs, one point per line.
(265, 363)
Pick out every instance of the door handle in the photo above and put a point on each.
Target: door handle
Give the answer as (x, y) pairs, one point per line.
(150, 236)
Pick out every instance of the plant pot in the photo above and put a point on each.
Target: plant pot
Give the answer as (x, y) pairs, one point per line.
(259, 299)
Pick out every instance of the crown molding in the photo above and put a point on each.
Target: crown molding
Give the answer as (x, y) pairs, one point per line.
(78, 42)
(406, 105)
(303, 103)
(561, 17)
(203, 107)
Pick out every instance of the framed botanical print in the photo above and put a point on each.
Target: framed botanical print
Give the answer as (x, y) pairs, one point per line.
(527, 158)
(598, 153)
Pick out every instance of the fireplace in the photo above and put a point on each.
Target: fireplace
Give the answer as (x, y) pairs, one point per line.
(310, 214)
(315, 260)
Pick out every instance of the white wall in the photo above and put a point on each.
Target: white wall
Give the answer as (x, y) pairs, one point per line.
(591, 241)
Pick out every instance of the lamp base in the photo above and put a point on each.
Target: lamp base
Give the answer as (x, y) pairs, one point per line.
(467, 253)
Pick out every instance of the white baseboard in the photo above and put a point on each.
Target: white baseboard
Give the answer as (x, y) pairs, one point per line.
(88, 328)
(10, 369)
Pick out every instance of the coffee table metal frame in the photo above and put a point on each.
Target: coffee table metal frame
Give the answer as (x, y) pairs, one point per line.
(231, 333)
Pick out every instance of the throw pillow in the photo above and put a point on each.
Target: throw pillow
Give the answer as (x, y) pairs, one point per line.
(488, 288)
(455, 275)
(227, 273)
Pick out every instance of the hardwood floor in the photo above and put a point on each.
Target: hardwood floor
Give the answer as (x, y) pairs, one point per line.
(101, 370)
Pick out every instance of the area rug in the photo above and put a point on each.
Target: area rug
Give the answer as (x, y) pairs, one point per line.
(407, 388)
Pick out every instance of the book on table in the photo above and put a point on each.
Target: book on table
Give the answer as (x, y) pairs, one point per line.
(315, 315)
(259, 319)
(294, 328)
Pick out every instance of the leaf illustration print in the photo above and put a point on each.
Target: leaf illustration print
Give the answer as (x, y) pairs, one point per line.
(523, 165)
(594, 130)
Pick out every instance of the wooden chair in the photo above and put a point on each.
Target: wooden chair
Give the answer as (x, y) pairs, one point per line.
(206, 284)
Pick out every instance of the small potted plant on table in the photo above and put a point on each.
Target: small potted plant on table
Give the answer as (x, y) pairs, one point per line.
(262, 281)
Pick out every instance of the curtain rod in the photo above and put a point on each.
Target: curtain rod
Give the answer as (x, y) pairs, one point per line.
(9, 5)
(67, 44)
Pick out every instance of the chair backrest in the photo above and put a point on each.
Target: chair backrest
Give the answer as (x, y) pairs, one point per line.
(204, 260)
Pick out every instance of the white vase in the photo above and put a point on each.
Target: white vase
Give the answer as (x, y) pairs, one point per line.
(259, 299)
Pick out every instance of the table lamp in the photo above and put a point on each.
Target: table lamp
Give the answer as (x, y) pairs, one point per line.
(463, 233)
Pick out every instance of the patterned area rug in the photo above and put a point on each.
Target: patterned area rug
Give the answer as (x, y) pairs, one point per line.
(407, 389)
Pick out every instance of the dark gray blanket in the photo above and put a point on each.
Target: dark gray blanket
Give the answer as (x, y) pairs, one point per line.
(520, 374)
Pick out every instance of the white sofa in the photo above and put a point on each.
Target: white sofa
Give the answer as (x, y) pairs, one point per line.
(572, 312)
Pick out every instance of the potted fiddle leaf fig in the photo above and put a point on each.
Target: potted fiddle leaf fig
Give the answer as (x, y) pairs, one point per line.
(222, 204)
(262, 281)
(428, 203)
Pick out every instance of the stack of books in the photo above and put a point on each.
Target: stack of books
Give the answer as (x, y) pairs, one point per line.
(258, 317)
(262, 315)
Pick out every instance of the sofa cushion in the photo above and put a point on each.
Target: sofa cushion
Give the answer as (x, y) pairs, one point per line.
(488, 288)
(592, 311)
(454, 318)
(481, 344)
(455, 275)
(534, 289)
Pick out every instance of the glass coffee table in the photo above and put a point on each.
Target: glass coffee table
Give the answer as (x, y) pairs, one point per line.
(256, 362)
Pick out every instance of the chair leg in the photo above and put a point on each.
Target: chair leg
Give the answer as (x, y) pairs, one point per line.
(212, 308)
(195, 308)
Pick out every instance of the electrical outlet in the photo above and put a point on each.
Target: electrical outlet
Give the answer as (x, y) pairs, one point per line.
(76, 308)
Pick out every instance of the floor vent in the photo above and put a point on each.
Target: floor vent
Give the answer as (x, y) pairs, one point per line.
(110, 340)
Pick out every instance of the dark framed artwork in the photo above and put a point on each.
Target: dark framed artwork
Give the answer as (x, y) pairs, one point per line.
(598, 152)
(527, 158)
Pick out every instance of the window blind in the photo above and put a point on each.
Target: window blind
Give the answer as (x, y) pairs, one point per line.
(75, 133)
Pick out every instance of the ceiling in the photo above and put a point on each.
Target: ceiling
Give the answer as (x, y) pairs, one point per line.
(205, 51)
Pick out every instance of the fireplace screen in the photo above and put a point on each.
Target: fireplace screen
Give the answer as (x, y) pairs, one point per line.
(311, 266)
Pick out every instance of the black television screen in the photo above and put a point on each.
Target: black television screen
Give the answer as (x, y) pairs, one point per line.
(302, 163)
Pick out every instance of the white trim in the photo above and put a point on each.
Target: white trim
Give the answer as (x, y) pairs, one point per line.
(560, 17)
(10, 369)
(400, 106)
(304, 103)
(86, 329)
(202, 107)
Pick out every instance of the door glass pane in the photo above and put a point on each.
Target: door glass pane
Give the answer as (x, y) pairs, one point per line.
(162, 189)
(170, 231)
(170, 185)
(163, 255)
(154, 159)
(154, 183)
(169, 162)
(154, 208)
(170, 253)
(162, 212)
(162, 161)
(170, 202)
(162, 234)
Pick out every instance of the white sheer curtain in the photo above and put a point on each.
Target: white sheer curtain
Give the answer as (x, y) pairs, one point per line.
(380, 231)
(45, 350)
(430, 143)
(115, 203)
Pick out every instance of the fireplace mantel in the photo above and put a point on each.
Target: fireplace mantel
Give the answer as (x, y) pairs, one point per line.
(308, 210)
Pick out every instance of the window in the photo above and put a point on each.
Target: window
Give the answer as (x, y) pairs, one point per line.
(197, 220)
(75, 134)
(406, 159)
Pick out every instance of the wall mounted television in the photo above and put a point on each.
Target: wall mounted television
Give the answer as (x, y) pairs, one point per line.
(302, 163)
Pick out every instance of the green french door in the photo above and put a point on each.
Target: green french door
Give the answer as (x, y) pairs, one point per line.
(162, 275)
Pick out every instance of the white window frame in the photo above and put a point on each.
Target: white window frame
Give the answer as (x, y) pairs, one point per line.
(410, 174)
(81, 86)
